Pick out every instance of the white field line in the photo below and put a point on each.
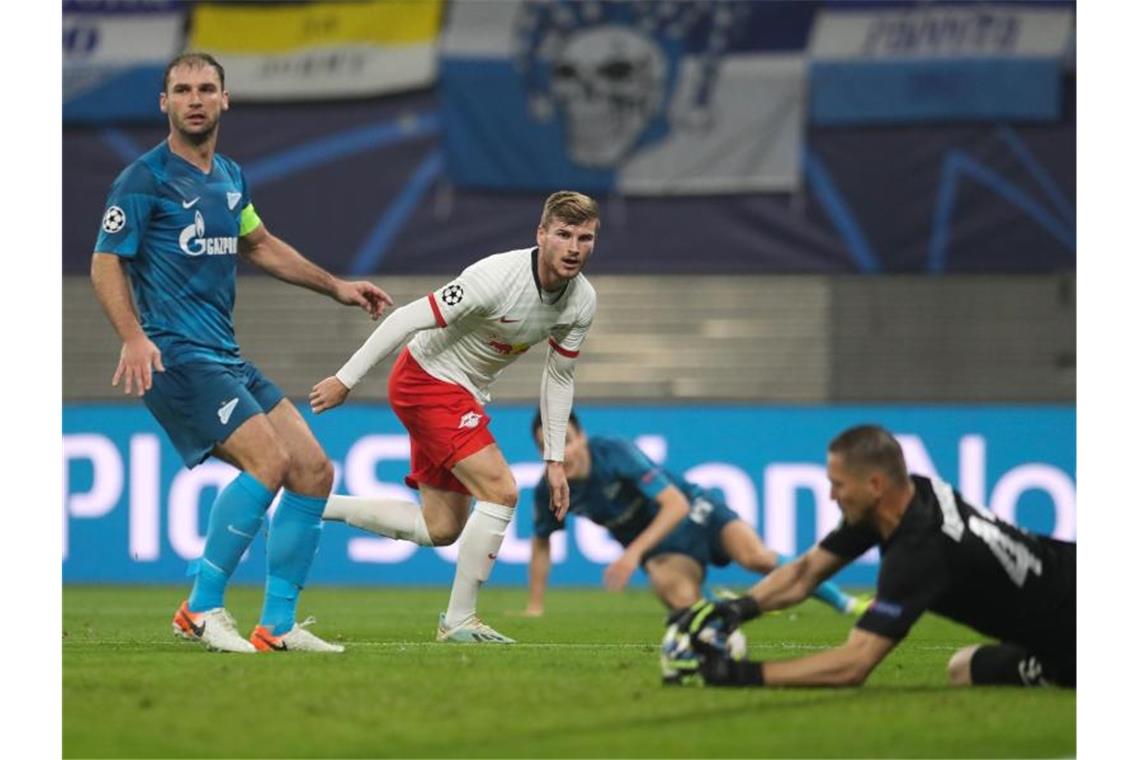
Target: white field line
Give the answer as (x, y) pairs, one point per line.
(752, 646)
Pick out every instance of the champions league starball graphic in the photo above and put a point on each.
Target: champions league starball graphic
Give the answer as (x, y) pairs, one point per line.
(610, 71)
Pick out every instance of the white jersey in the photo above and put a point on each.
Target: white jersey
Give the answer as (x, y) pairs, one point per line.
(492, 313)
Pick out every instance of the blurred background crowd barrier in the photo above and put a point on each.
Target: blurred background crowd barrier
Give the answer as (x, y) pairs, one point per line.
(810, 210)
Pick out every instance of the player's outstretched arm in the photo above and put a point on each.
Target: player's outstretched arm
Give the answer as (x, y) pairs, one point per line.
(674, 507)
(538, 573)
(846, 665)
(286, 263)
(139, 355)
(386, 338)
(792, 583)
(786, 585)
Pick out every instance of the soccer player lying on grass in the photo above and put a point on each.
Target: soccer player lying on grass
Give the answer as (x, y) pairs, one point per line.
(939, 553)
(668, 526)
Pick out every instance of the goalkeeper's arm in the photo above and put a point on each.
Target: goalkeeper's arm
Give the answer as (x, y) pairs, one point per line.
(846, 665)
(787, 585)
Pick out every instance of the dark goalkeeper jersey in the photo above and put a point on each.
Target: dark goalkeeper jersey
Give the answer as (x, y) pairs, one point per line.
(963, 563)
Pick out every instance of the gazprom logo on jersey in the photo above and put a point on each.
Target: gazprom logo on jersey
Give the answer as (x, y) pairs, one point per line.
(133, 513)
(193, 240)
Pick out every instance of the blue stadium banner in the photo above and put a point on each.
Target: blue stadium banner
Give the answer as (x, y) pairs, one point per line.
(114, 55)
(641, 98)
(938, 62)
(134, 514)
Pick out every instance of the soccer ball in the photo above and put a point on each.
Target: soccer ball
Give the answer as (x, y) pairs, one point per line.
(680, 662)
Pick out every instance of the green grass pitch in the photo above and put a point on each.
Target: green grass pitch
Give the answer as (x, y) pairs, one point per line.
(583, 682)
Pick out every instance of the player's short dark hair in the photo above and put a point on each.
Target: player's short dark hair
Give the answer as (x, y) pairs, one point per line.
(536, 423)
(866, 447)
(195, 60)
(569, 207)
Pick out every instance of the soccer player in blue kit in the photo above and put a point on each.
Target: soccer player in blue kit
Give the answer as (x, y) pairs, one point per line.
(668, 526)
(176, 221)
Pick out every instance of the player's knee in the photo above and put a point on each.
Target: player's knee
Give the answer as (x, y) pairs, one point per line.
(321, 473)
(271, 466)
(679, 596)
(958, 669)
(507, 491)
(443, 534)
(444, 537)
(502, 490)
(509, 497)
(677, 590)
(312, 477)
(761, 560)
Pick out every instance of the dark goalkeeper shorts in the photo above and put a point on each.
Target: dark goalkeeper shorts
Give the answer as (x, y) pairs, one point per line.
(1012, 665)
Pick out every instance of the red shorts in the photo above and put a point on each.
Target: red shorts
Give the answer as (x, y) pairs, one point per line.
(445, 422)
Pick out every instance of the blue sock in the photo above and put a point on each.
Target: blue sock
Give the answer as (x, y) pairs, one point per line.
(294, 534)
(235, 518)
(827, 592)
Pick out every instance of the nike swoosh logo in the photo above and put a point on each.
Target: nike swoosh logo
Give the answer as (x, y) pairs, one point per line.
(277, 647)
(506, 321)
(190, 204)
(197, 629)
(234, 530)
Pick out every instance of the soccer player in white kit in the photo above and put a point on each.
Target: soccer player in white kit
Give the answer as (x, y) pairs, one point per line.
(468, 332)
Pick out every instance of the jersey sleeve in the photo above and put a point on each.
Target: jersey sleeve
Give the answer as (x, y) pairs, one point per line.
(473, 292)
(630, 462)
(910, 579)
(849, 541)
(248, 220)
(568, 339)
(130, 205)
(545, 523)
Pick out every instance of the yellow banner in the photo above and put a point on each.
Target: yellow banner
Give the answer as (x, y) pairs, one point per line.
(221, 28)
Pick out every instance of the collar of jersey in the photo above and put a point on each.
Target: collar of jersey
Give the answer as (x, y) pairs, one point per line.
(538, 283)
(172, 156)
(908, 521)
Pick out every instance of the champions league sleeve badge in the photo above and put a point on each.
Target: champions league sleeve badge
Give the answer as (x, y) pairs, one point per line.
(452, 294)
(114, 220)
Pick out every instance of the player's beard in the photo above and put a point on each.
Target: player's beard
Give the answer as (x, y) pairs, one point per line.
(198, 138)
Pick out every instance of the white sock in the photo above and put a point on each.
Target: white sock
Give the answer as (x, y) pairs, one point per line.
(393, 518)
(478, 548)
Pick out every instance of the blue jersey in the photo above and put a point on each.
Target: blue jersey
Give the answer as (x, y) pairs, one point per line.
(178, 228)
(620, 494)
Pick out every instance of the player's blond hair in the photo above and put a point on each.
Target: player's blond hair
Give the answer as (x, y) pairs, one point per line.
(569, 207)
(871, 447)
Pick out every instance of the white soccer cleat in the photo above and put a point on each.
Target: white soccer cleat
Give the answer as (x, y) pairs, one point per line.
(215, 628)
(296, 639)
(470, 631)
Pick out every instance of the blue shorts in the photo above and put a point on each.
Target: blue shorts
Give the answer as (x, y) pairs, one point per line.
(200, 404)
(698, 535)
